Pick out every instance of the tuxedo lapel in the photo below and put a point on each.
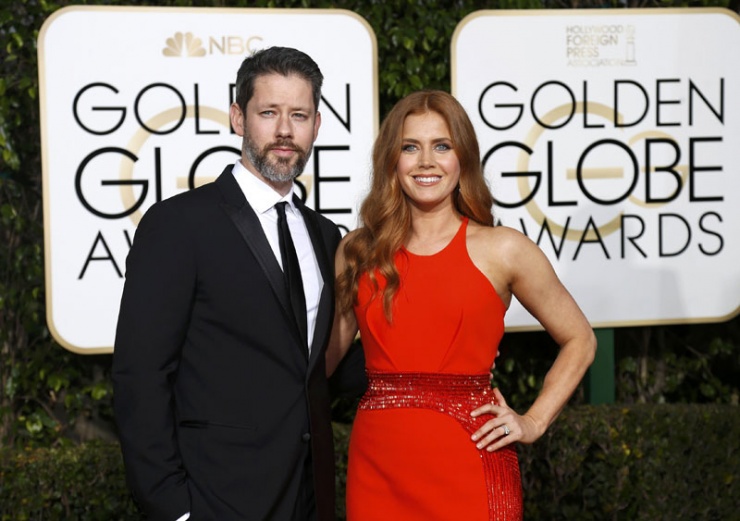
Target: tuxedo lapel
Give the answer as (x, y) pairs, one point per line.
(323, 318)
(250, 228)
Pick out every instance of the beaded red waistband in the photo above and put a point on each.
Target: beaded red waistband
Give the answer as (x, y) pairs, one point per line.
(441, 391)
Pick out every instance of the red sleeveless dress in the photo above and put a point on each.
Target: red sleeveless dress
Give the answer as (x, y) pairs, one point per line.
(411, 457)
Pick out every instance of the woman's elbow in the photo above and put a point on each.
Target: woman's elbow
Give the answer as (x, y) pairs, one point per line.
(590, 346)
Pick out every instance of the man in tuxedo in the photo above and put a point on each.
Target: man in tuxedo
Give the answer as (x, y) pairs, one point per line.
(221, 397)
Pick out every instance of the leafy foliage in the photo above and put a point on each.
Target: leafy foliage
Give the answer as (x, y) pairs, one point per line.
(640, 462)
(690, 364)
(84, 483)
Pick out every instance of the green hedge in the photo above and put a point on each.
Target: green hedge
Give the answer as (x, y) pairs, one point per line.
(71, 483)
(647, 462)
(643, 462)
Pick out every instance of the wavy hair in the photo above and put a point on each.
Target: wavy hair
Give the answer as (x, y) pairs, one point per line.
(385, 217)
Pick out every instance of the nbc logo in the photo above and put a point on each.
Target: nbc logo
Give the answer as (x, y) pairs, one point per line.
(184, 45)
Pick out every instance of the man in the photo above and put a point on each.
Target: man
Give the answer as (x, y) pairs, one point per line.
(221, 396)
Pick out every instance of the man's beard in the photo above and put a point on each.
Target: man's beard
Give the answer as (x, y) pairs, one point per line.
(279, 170)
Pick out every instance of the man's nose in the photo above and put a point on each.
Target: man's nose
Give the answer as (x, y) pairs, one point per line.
(284, 127)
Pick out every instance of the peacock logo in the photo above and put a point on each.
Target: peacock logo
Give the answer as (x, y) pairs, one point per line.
(184, 44)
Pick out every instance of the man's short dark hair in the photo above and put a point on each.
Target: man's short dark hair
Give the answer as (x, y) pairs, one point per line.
(276, 60)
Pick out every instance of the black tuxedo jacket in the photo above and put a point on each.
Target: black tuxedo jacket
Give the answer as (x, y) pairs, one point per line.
(217, 403)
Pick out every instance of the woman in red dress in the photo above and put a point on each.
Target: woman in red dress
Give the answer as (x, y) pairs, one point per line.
(427, 280)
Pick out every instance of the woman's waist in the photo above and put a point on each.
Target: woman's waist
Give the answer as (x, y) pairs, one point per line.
(441, 391)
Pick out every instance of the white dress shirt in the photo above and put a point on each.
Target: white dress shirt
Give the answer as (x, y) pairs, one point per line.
(262, 198)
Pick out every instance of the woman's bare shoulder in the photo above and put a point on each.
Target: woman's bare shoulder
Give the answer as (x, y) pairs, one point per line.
(500, 237)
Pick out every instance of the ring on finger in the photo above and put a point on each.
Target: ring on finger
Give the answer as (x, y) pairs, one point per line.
(506, 429)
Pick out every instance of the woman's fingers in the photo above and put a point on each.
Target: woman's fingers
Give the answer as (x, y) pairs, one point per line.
(496, 433)
(504, 428)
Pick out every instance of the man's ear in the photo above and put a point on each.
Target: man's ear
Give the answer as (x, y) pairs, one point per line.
(316, 125)
(236, 116)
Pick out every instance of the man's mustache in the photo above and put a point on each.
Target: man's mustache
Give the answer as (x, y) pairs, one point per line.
(285, 144)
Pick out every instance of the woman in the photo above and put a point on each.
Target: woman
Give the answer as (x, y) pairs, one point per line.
(427, 278)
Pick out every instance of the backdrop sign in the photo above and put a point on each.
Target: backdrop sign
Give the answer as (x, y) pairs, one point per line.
(134, 109)
(612, 139)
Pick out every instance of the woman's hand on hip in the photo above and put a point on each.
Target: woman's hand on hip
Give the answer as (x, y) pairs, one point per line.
(506, 426)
